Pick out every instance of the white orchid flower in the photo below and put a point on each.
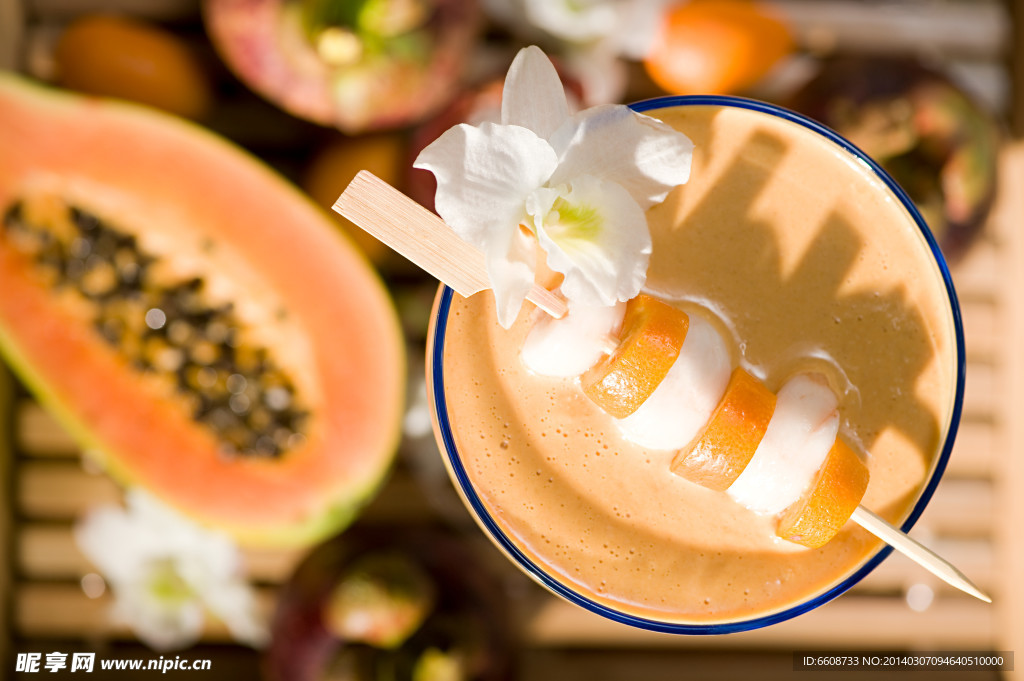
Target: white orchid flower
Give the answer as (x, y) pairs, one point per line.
(628, 27)
(593, 36)
(166, 572)
(576, 185)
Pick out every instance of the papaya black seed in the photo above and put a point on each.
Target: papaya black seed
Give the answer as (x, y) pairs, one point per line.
(13, 215)
(164, 326)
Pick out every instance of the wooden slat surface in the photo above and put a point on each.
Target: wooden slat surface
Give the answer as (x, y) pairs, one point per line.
(61, 610)
(978, 29)
(7, 530)
(62, 490)
(1009, 480)
(859, 622)
(692, 665)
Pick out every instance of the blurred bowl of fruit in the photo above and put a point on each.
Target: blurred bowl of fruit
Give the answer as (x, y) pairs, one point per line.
(335, 163)
(937, 142)
(353, 64)
(391, 604)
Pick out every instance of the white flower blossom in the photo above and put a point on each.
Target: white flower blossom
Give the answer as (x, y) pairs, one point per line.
(576, 185)
(628, 27)
(594, 36)
(166, 572)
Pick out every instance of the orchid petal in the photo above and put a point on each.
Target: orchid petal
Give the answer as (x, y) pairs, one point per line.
(511, 15)
(597, 237)
(510, 266)
(642, 154)
(235, 605)
(100, 536)
(541, 202)
(483, 176)
(600, 71)
(574, 20)
(533, 96)
(159, 625)
(639, 23)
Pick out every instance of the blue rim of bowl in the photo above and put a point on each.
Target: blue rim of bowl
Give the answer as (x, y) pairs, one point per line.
(524, 562)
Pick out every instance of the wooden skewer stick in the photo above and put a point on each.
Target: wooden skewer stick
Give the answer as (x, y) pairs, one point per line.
(422, 237)
(916, 552)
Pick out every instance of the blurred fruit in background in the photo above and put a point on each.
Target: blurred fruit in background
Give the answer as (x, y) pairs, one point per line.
(391, 604)
(716, 47)
(355, 64)
(384, 154)
(476, 105)
(594, 40)
(127, 58)
(929, 134)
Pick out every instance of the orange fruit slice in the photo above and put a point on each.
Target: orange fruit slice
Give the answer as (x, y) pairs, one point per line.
(732, 435)
(716, 46)
(652, 335)
(828, 504)
(127, 58)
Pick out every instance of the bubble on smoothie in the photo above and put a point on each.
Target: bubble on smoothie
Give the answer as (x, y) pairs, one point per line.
(799, 436)
(567, 347)
(677, 410)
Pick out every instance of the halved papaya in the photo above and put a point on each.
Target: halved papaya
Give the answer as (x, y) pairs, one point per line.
(193, 319)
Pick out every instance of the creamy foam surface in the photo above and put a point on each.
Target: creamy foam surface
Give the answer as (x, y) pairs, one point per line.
(805, 263)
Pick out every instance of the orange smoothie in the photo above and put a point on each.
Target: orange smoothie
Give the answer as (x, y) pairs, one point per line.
(804, 260)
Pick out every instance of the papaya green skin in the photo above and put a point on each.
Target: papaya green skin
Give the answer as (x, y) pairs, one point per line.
(339, 501)
(312, 530)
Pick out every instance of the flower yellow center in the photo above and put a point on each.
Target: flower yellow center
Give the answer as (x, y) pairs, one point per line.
(167, 585)
(577, 222)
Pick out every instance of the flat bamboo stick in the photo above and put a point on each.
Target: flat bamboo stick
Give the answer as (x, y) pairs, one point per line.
(423, 238)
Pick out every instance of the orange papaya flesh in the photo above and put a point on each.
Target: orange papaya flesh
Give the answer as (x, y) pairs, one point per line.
(732, 435)
(652, 336)
(307, 332)
(830, 501)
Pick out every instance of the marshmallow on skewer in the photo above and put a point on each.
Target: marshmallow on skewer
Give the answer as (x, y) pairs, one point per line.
(568, 346)
(799, 436)
(775, 455)
(683, 402)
